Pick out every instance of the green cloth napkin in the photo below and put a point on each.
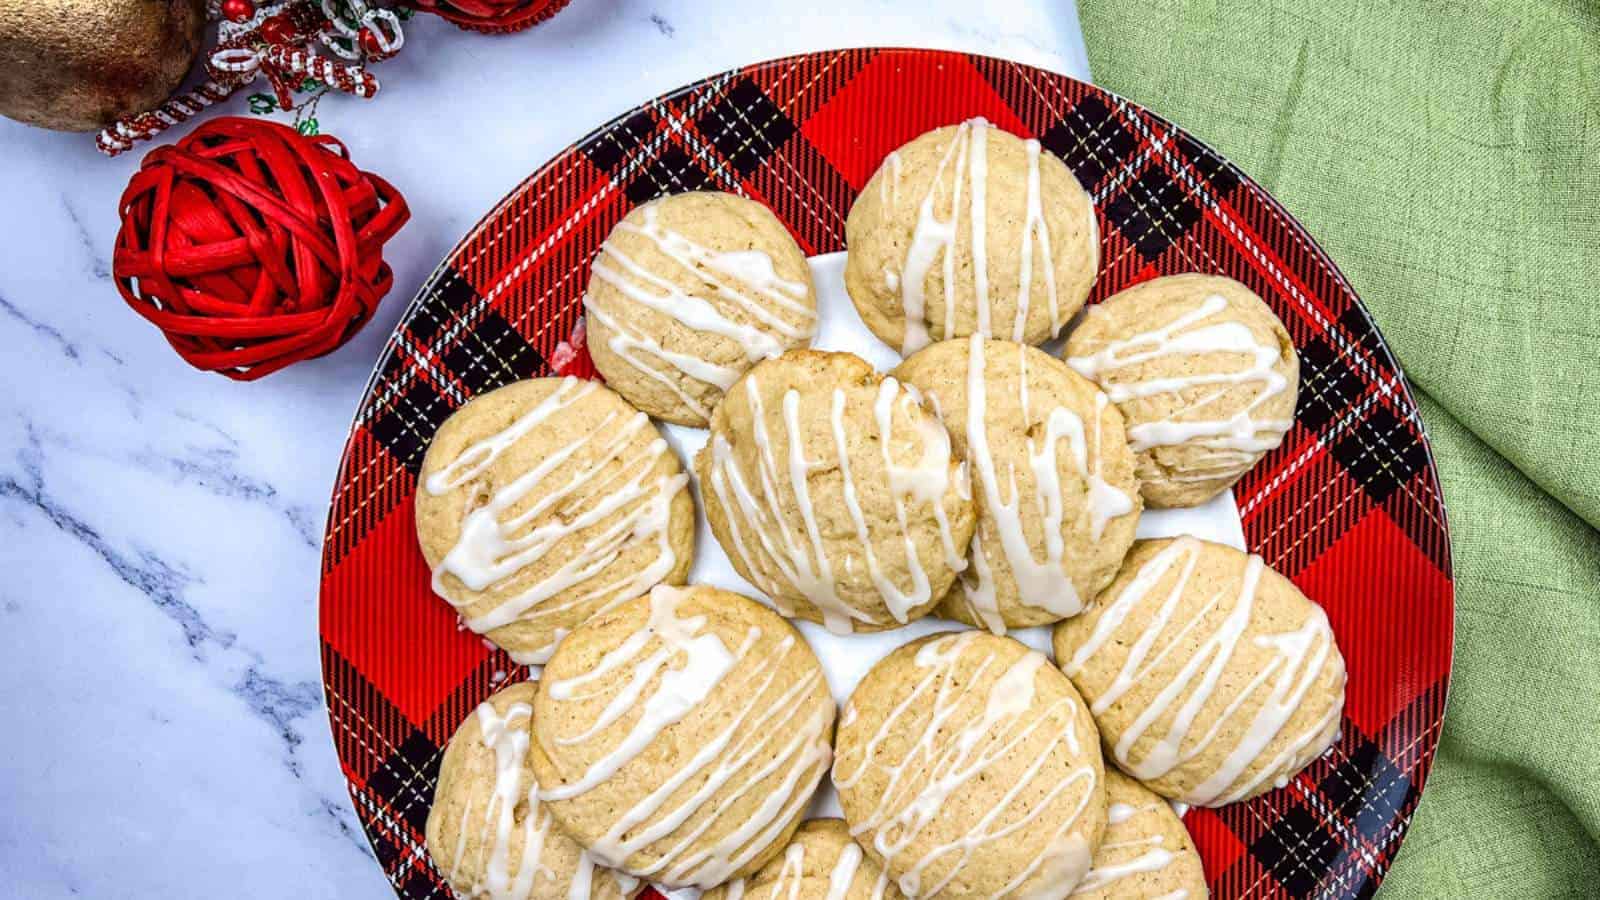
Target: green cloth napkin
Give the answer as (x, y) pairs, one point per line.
(1447, 155)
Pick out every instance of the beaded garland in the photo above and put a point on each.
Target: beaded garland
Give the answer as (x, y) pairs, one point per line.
(278, 40)
(274, 40)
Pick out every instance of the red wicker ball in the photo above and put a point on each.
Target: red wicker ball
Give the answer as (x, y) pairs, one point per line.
(253, 247)
(492, 16)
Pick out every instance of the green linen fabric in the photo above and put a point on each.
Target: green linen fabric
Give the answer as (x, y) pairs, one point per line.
(1447, 155)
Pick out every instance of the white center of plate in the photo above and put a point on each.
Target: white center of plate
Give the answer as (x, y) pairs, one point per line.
(846, 658)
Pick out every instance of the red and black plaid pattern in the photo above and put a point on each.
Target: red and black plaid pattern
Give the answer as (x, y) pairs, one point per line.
(1349, 506)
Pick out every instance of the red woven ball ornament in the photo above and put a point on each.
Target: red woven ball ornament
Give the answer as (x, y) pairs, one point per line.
(492, 16)
(253, 247)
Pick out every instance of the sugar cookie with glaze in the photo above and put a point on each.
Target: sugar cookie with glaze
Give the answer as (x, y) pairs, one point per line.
(834, 491)
(687, 293)
(1205, 375)
(488, 834)
(968, 766)
(820, 863)
(1147, 854)
(969, 229)
(546, 501)
(1212, 678)
(1052, 479)
(681, 736)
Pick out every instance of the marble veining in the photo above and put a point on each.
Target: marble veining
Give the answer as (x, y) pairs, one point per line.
(46, 332)
(160, 683)
(99, 261)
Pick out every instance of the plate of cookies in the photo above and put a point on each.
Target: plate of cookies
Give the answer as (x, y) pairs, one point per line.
(886, 473)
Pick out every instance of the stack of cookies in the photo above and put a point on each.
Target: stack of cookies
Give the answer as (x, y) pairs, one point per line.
(678, 733)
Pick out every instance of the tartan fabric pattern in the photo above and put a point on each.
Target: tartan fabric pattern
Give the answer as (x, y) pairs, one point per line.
(1348, 507)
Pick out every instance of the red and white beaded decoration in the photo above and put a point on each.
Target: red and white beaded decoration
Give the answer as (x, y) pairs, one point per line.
(274, 40)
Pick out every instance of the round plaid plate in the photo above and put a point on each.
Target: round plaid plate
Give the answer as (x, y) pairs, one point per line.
(1348, 507)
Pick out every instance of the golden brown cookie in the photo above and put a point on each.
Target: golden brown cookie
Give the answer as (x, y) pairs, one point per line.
(834, 491)
(1212, 678)
(680, 736)
(969, 229)
(1052, 478)
(1147, 854)
(487, 832)
(687, 293)
(820, 863)
(968, 767)
(546, 501)
(1204, 373)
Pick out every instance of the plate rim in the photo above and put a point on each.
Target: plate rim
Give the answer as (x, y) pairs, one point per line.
(430, 284)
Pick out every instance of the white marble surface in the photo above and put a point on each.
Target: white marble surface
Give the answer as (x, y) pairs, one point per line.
(160, 694)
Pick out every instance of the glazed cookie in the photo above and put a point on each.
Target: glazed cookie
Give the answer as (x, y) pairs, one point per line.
(1052, 479)
(1212, 678)
(680, 736)
(820, 863)
(1147, 853)
(968, 767)
(487, 832)
(546, 501)
(687, 293)
(970, 230)
(833, 490)
(1204, 374)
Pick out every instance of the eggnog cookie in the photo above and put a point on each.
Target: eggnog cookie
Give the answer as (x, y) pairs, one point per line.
(1212, 678)
(1204, 374)
(968, 767)
(821, 862)
(833, 490)
(970, 230)
(487, 833)
(546, 501)
(1147, 854)
(687, 293)
(1052, 479)
(680, 736)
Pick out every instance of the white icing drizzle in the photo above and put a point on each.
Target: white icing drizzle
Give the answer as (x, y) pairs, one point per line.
(475, 459)
(934, 768)
(794, 862)
(620, 483)
(1117, 813)
(507, 736)
(1298, 660)
(1153, 860)
(1035, 229)
(844, 872)
(881, 886)
(933, 236)
(624, 344)
(730, 759)
(1106, 872)
(583, 880)
(801, 559)
(1235, 440)
(743, 281)
(1105, 502)
(791, 876)
(889, 183)
(1043, 584)
(978, 175)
